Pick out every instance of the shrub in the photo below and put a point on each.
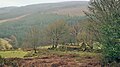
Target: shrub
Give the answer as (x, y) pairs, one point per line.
(97, 47)
(112, 54)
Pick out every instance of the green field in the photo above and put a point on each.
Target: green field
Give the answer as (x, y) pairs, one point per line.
(43, 51)
(12, 54)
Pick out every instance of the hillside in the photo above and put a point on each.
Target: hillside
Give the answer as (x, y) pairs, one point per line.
(60, 33)
(12, 12)
(17, 20)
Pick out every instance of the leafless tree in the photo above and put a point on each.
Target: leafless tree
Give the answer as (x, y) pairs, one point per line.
(57, 32)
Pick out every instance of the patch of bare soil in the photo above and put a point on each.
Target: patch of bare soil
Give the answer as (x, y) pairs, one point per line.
(56, 61)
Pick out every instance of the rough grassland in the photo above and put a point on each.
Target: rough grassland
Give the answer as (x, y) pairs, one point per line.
(54, 58)
(50, 58)
(12, 54)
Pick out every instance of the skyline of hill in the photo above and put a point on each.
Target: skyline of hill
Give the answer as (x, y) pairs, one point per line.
(62, 8)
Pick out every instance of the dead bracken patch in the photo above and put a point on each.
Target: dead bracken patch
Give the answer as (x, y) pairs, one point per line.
(55, 61)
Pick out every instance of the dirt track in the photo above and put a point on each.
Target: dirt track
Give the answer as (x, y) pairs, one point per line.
(13, 19)
(56, 61)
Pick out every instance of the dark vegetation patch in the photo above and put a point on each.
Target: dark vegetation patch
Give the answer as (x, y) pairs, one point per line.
(51, 61)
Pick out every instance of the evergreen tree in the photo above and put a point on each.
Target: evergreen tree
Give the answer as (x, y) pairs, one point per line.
(106, 14)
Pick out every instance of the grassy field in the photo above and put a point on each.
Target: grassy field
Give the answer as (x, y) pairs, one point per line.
(78, 54)
(12, 54)
(43, 51)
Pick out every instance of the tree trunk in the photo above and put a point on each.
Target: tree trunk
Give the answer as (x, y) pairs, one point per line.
(35, 50)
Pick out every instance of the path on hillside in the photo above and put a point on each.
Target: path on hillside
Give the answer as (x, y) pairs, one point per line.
(14, 19)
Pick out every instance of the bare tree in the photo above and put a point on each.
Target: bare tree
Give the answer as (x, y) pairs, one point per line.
(57, 32)
(74, 31)
(14, 41)
(32, 37)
